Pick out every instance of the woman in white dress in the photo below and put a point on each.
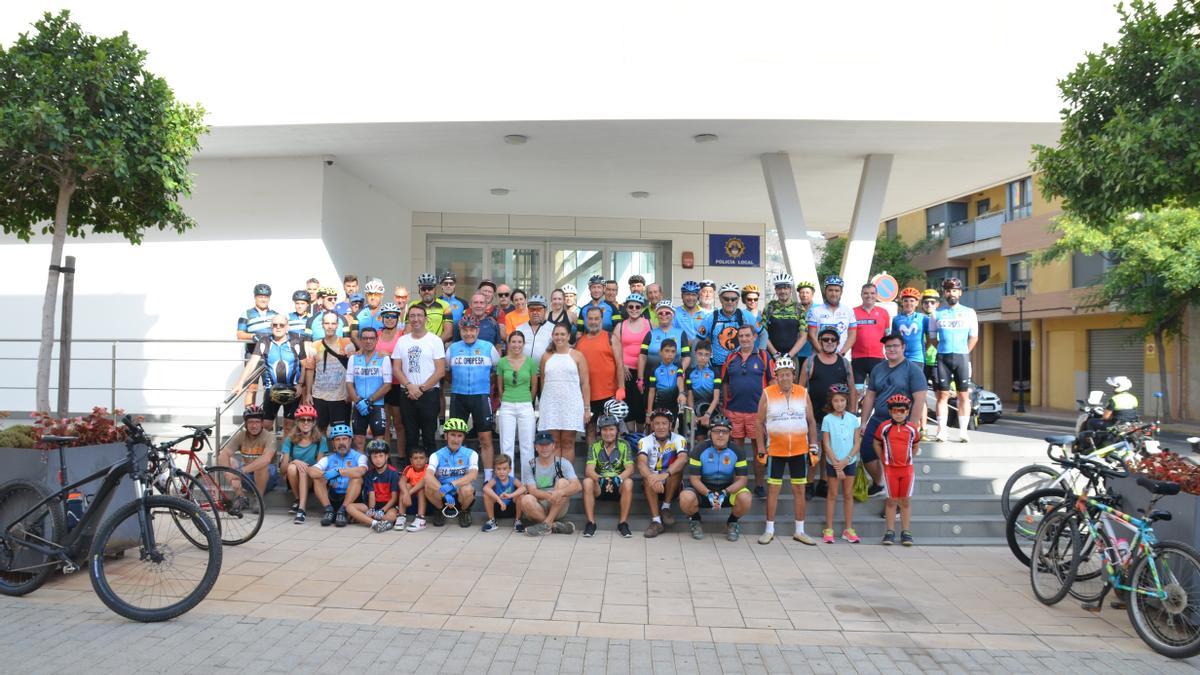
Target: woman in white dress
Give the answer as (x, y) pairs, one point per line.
(565, 387)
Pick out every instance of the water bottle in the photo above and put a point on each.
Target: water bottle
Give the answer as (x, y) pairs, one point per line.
(74, 509)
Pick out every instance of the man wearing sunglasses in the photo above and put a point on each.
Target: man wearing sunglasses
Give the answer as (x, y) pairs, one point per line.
(596, 290)
(449, 282)
(724, 324)
(283, 357)
(504, 298)
(326, 303)
(438, 316)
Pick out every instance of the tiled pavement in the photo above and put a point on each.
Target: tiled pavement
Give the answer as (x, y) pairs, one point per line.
(451, 600)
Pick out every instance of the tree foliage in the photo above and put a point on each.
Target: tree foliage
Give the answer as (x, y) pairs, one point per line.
(892, 255)
(1131, 123)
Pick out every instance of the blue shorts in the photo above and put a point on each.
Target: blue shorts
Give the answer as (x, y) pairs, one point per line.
(866, 449)
(849, 471)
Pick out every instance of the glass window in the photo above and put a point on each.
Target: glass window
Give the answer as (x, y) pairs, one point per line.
(519, 268)
(982, 274)
(891, 227)
(466, 263)
(629, 263)
(1086, 270)
(983, 206)
(1020, 198)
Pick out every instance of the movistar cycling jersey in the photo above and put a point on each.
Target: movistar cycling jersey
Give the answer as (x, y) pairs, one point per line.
(702, 382)
(652, 343)
(283, 360)
(785, 324)
(665, 378)
(436, 313)
(609, 463)
(367, 318)
(448, 466)
(954, 326)
(315, 329)
(471, 367)
(297, 323)
(606, 321)
(368, 375)
(456, 306)
(717, 468)
(694, 324)
(723, 328)
(912, 327)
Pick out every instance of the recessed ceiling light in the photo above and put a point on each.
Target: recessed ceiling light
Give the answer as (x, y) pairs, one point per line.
(515, 139)
(705, 138)
(640, 194)
(499, 192)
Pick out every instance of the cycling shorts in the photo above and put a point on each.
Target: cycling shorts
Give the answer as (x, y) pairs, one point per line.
(899, 480)
(606, 496)
(394, 395)
(796, 466)
(476, 407)
(329, 412)
(726, 499)
(862, 366)
(953, 368)
(375, 420)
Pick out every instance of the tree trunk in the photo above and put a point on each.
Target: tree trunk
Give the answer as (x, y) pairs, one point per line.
(1160, 347)
(46, 348)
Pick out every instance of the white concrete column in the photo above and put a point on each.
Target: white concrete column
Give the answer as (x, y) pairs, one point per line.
(789, 218)
(864, 224)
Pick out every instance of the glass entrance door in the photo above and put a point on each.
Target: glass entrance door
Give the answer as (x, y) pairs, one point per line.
(576, 266)
(628, 263)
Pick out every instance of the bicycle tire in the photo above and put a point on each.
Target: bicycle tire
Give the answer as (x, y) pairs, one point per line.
(49, 524)
(120, 600)
(1091, 575)
(185, 486)
(241, 519)
(1182, 604)
(1008, 498)
(1020, 527)
(1055, 557)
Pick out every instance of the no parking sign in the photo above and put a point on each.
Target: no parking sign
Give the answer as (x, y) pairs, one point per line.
(886, 287)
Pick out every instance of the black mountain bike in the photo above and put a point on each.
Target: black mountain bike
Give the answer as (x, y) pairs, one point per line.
(168, 576)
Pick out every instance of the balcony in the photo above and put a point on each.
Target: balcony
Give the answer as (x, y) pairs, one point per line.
(979, 235)
(984, 299)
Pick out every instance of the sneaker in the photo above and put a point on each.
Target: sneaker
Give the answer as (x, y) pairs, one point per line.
(803, 539)
(940, 438)
(697, 529)
(464, 518)
(436, 518)
(927, 437)
(827, 536)
(401, 522)
(760, 492)
(382, 525)
(490, 526)
(874, 490)
(563, 527)
(623, 529)
(341, 520)
(417, 525)
(589, 529)
(906, 538)
(295, 507)
(539, 530)
(963, 437)
(849, 535)
(889, 538)
(766, 538)
(654, 529)
(733, 531)
(327, 519)
(518, 526)
(668, 518)
(300, 518)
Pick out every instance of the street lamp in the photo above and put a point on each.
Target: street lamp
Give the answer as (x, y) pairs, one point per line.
(1021, 288)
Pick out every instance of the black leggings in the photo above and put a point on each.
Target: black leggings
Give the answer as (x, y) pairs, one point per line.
(420, 419)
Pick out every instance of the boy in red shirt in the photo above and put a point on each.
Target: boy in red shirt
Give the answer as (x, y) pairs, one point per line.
(896, 442)
(412, 491)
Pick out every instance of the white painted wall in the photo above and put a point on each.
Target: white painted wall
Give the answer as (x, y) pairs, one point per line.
(365, 231)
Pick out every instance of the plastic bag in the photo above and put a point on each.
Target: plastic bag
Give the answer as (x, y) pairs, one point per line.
(862, 483)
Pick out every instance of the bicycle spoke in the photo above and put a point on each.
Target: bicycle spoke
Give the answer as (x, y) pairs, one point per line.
(150, 580)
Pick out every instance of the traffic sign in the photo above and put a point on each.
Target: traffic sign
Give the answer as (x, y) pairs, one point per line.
(886, 287)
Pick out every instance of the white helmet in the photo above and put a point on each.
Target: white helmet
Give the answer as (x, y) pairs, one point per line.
(785, 361)
(729, 287)
(616, 408)
(1120, 383)
(783, 279)
(569, 289)
(374, 286)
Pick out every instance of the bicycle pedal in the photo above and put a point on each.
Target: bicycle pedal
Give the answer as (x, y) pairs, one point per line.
(69, 568)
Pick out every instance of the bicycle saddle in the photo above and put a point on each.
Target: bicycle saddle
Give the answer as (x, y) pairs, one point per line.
(59, 440)
(1064, 439)
(1158, 487)
(199, 427)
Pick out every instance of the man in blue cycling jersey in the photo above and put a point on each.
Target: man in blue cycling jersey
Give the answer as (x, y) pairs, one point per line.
(596, 290)
(253, 324)
(449, 282)
(954, 329)
(337, 478)
(299, 318)
(470, 362)
(724, 323)
(282, 356)
(326, 301)
(369, 316)
(717, 474)
(368, 379)
(450, 480)
(689, 315)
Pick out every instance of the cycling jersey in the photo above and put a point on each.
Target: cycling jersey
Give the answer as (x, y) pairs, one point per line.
(436, 313)
(954, 326)
(659, 455)
(315, 329)
(606, 321)
(652, 344)
(609, 463)
(367, 318)
(840, 318)
(665, 379)
(871, 325)
(351, 460)
(382, 484)
(785, 324)
(723, 328)
(787, 421)
(448, 466)
(456, 306)
(255, 321)
(717, 467)
(283, 360)
(900, 442)
(368, 375)
(702, 381)
(298, 323)
(694, 324)
(807, 350)
(471, 367)
(913, 328)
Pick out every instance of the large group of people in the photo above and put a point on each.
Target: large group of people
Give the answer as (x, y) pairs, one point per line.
(378, 400)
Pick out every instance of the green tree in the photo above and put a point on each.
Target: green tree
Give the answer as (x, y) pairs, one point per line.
(1155, 272)
(1131, 123)
(90, 142)
(892, 255)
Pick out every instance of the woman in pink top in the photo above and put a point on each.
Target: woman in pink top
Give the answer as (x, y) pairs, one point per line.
(388, 336)
(627, 341)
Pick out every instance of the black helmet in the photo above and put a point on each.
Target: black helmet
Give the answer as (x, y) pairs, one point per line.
(262, 289)
(663, 412)
(300, 295)
(253, 412)
(377, 445)
(607, 421)
(719, 420)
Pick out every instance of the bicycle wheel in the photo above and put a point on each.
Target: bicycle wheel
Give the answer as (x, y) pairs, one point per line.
(164, 581)
(1091, 575)
(1021, 526)
(1054, 558)
(1025, 480)
(238, 502)
(23, 570)
(186, 487)
(1171, 625)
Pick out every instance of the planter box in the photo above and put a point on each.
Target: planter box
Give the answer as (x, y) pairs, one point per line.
(1184, 508)
(42, 466)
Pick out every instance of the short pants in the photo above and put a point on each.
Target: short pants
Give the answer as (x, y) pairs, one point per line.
(899, 480)
(503, 511)
(866, 449)
(331, 412)
(392, 398)
(953, 368)
(606, 496)
(744, 424)
(272, 470)
(796, 466)
(475, 407)
(726, 500)
(271, 408)
(376, 420)
(847, 472)
(862, 366)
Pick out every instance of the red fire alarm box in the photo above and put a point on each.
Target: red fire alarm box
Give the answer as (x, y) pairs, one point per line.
(688, 260)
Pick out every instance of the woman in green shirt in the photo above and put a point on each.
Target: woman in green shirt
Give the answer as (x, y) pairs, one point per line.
(517, 380)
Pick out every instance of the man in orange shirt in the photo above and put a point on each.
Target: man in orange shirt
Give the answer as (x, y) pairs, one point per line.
(604, 375)
(785, 412)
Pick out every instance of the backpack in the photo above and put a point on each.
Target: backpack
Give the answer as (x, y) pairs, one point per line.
(739, 321)
(558, 472)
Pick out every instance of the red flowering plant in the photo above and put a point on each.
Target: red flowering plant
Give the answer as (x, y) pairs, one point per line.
(96, 428)
(1171, 467)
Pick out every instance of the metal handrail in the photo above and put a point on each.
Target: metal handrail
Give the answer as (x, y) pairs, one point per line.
(229, 401)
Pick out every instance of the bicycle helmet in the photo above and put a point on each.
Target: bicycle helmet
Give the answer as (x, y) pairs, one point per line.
(839, 388)
(719, 420)
(340, 429)
(536, 300)
(785, 361)
(306, 411)
(782, 279)
(616, 408)
(426, 279)
(390, 308)
(328, 291)
(707, 283)
(449, 276)
(378, 445)
(262, 289)
(910, 292)
(930, 294)
(569, 289)
(596, 280)
(607, 421)
(950, 283)
(751, 288)
(374, 286)
(690, 287)
(810, 285)
(253, 412)
(636, 297)
(357, 297)
(1119, 383)
(899, 401)
(663, 412)
(300, 295)
(468, 321)
(664, 304)
(730, 287)
(834, 280)
(455, 424)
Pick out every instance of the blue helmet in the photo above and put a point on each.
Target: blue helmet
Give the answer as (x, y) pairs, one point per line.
(636, 297)
(834, 280)
(690, 287)
(356, 297)
(340, 429)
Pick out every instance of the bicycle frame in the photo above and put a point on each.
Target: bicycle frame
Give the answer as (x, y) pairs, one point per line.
(1068, 476)
(1143, 541)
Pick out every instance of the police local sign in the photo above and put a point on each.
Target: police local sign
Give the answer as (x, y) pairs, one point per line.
(734, 250)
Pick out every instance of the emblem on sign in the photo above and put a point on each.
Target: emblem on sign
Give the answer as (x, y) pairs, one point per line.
(734, 248)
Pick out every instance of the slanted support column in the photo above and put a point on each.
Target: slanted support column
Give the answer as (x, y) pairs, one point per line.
(789, 218)
(864, 224)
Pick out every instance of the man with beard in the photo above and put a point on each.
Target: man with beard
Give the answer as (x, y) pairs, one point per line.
(955, 331)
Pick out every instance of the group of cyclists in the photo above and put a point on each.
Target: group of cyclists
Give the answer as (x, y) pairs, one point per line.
(711, 401)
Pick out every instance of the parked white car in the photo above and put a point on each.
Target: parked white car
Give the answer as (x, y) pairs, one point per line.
(986, 405)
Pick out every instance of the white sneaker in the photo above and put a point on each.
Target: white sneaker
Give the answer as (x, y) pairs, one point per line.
(401, 522)
(941, 437)
(418, 524)
(963, 437)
